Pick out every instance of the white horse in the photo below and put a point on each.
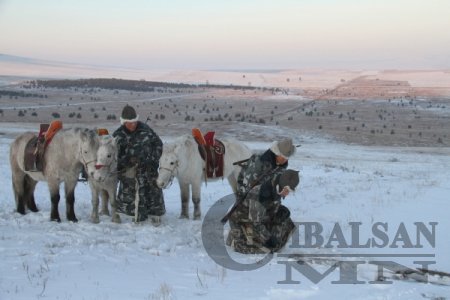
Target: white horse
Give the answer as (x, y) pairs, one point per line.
(181, 159)
(103, 181)
(65, 156)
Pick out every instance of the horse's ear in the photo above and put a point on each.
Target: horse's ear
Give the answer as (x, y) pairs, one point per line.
(84, 136)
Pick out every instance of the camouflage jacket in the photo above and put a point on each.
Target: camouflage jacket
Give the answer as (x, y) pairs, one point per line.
(261, 202)
(253, 169)
(142, 147)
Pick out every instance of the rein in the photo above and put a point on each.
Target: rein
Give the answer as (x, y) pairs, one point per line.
(84, 162)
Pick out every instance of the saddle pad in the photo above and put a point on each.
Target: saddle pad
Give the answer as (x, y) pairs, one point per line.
(35, 148)
(30, 154)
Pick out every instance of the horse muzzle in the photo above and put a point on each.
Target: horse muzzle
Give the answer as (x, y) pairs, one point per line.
(160, 184)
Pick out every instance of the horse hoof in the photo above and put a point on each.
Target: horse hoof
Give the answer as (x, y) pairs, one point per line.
(197, 217)
(104, 213)
(116, 219)
(95, 220)
(34, 209)
(183, 216)
(55, 220)
(21, 211)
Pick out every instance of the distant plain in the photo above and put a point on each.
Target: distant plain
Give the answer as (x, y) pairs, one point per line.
(391, 108)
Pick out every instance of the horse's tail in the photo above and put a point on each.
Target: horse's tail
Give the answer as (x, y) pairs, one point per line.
(22, 184)
(15, 171)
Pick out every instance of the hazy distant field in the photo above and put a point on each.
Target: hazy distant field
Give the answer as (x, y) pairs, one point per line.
(251, 115)
(403, 108)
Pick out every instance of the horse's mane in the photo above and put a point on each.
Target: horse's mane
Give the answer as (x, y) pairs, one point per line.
(91, 134)
(183, 138)
(85, 130)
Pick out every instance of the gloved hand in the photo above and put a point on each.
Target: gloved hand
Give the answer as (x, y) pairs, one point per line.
(133, 160)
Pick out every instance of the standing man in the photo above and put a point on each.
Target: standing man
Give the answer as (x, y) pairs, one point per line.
(260, 222)
(139, 150)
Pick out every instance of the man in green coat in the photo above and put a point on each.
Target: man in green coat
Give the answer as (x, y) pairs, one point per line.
(139, 150)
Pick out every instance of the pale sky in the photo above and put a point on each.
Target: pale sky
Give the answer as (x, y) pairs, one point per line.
(230, 34)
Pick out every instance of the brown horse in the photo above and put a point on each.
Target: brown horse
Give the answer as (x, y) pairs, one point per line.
(69, 151)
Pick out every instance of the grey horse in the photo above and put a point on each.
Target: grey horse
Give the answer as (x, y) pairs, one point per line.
(66, 155)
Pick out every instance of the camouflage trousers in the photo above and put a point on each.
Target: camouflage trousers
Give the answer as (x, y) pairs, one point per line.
(251, 237)
(144, 191)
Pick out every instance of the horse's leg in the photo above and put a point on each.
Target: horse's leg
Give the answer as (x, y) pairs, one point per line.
(69, 186)
(30, 184)
(94, 199)
(184, 188)
(105, 197)
(112, 200)
(18, 178)
(18, 182)
(233, 182)
(196, 189)
(53, 187)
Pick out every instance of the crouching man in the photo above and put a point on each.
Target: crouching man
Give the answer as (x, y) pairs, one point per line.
(260, 223)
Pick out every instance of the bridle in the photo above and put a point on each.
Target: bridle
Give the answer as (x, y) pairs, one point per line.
(110, 171)
(172, 172)
(83, 160)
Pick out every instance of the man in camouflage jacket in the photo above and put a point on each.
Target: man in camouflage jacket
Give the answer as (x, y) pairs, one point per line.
(139, 150)
(260, 223)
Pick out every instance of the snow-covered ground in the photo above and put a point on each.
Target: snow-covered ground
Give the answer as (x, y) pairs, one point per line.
(339, 184)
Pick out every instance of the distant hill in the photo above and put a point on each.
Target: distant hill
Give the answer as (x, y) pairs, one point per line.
(13, 58)
(18, 66)
(5, 57)
(27, 60)
(322, 83)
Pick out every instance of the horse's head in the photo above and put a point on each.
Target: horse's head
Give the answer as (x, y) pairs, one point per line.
(106, 163)
(89, 144)
(168, 166)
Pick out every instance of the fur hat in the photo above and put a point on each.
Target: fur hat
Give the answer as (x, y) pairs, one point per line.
(289, 178)
(283, 148)
(128, 115)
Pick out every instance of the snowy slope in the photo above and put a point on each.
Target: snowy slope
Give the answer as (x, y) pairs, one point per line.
(339, 183)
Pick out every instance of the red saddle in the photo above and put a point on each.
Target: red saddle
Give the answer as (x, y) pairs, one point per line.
(212, 151)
